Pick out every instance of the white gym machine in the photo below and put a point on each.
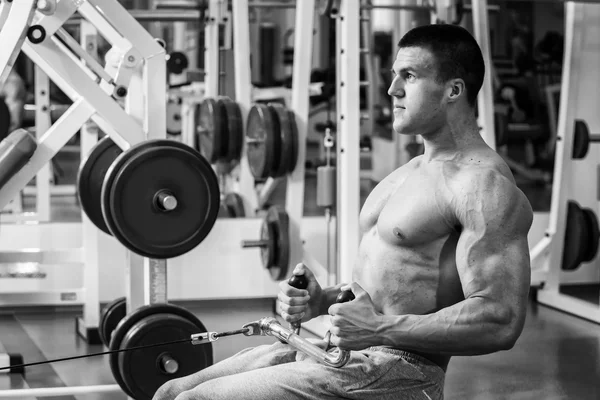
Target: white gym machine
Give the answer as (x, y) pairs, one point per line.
(574, 179)
(581, 43)
(139, 80)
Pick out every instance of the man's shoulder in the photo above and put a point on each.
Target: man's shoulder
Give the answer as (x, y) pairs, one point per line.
(488, 190)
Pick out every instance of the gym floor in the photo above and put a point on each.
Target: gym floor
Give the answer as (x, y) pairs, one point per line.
(557, 356)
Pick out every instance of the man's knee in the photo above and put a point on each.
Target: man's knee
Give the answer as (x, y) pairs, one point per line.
(168, 391)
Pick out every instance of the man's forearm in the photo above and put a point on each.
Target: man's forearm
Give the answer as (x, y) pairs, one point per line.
(328, 297)
(472, 327)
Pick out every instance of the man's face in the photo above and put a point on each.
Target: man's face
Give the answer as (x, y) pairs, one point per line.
(418, 99)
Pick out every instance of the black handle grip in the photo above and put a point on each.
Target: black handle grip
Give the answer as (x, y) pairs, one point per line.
(298, 281)
(345, 296)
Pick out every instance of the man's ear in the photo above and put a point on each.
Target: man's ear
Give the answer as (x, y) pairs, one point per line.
(456, 89)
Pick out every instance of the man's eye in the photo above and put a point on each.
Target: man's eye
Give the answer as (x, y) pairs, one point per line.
(410, 77)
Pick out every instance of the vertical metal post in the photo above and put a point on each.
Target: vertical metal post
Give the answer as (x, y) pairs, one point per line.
(303, 52)
(243, 96)
(211, 49)
(402, 24)
(90, 234)
(485, 100)
(574, 17)
(348, 136)
(42, 124)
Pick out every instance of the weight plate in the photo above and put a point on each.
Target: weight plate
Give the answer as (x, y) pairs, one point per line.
(130, 321)
(593, 237)
(261, 141)
(90, 179)
(174, 118)
(268, 252)
(295, 144)
(235, 205)
(278, 219)
(235, 129)
(223, 152)
(177, 62)
(575, 237)
(286, 150)
(111, 315)
(135, 182)
(144, 371)
(4, 120)
(581, 140)
(210, 127)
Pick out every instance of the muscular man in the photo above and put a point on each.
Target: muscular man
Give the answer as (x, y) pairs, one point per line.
(443, 264)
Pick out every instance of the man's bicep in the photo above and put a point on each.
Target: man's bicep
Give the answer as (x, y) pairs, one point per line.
(494, 266)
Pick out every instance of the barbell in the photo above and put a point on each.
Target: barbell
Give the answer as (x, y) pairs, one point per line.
(160, 198)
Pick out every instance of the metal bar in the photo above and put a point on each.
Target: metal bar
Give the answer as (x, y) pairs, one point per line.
(193, 14)
(211, 50)
(563, 168)
(91, 63)
(348, 122)
(303, 54)
(485, 101)
(64, 256)
(243, 94)
(42, 124)
(15, 21)
(49, 145)
(58, 391)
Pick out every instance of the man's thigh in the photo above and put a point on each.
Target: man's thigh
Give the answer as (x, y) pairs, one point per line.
(368, 375)
(253, 358)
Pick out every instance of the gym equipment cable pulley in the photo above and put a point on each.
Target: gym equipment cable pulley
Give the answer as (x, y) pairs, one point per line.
(267, 326)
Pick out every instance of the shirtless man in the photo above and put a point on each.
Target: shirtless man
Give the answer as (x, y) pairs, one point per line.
(443, 264)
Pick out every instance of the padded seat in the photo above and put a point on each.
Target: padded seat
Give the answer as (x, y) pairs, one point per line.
(15, 152)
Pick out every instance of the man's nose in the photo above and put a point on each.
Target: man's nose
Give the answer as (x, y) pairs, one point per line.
(396, 88)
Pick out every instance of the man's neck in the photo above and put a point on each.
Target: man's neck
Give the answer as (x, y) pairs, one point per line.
(451, 139)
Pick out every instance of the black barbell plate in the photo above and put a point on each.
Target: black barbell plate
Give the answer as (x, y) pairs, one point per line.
(174, 120)
(90, 179)
(235, 129)
(593, 235)
(177, 62)
(575, 237)
(110, 317)
(129, 198)
(278, 219)
(581, 140)
(210, 126)
(5, 119)
(142, 370)
(133, 318)
(286, 139)
(295, 142)
(235, 205)
(268, 253)
(261, 137)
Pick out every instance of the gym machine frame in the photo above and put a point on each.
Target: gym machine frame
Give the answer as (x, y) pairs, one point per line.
(580, 43)
(21, 16)
(546, 260)
(141, 71)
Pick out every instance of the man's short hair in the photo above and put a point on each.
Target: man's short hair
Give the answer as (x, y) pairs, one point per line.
(456, 51)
